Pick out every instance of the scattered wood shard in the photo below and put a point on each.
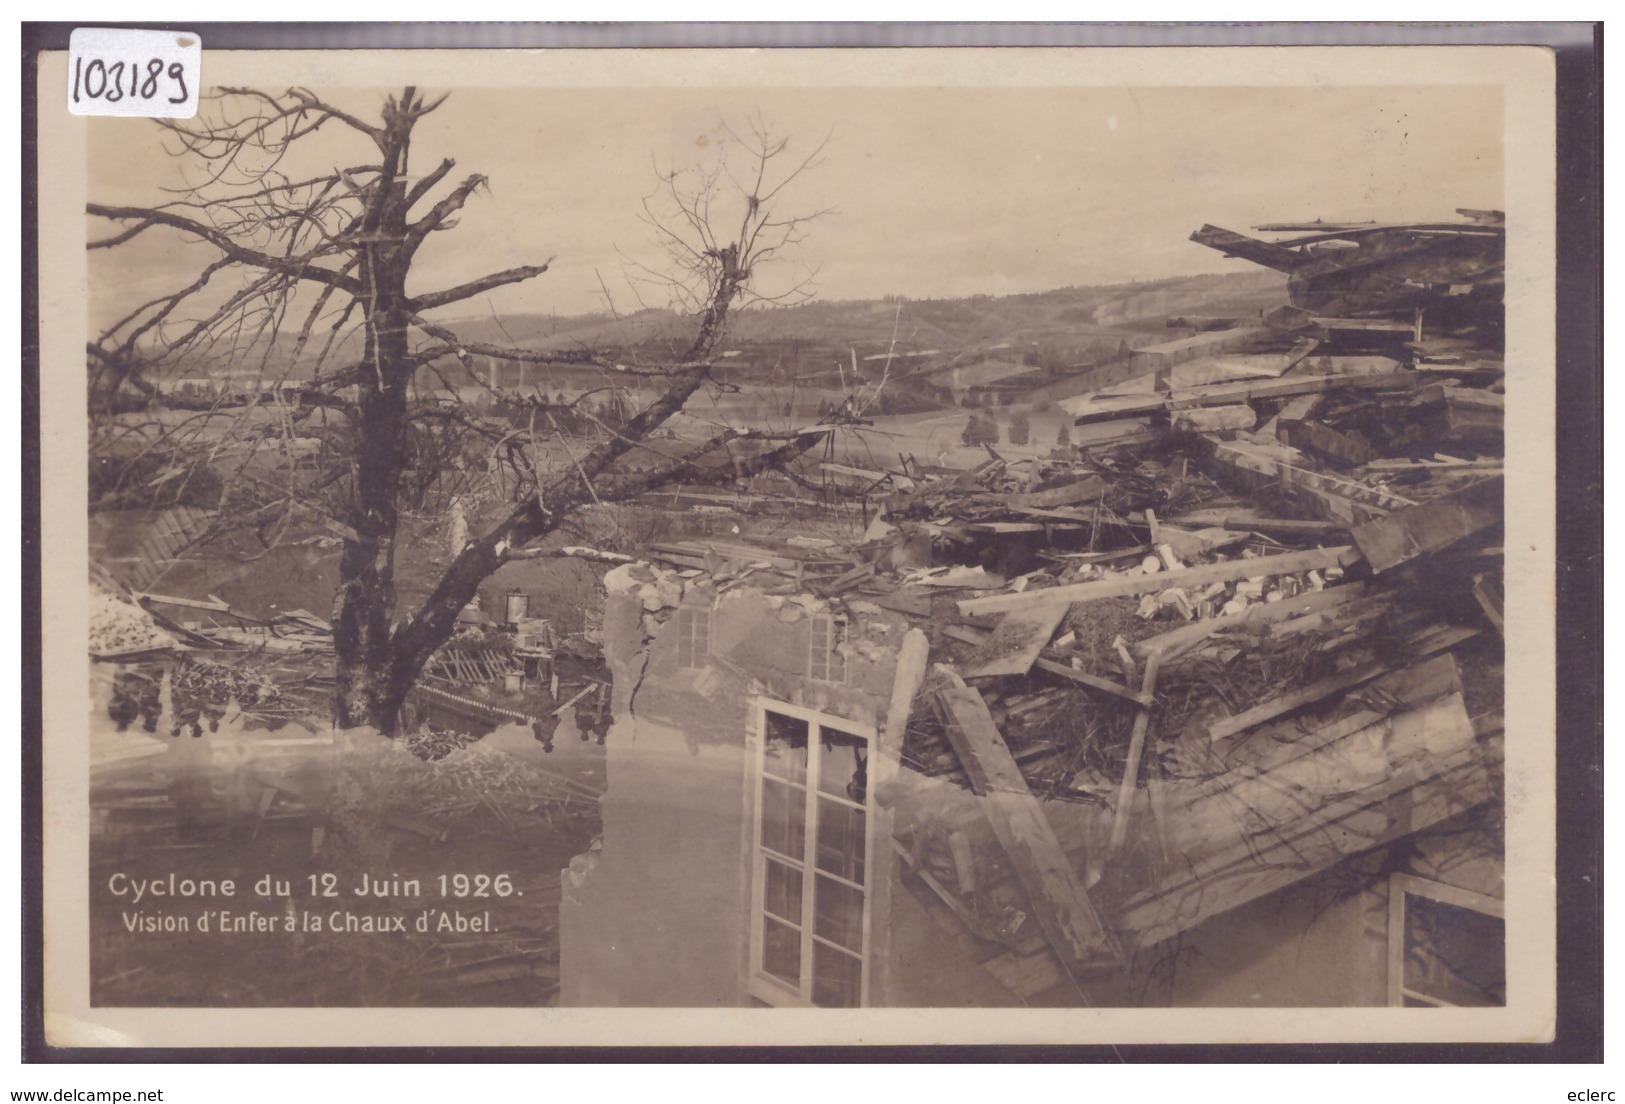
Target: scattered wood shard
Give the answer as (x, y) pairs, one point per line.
(1430, 526)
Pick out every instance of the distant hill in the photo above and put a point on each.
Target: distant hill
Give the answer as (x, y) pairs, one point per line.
(1066, 316)
(1054, 330)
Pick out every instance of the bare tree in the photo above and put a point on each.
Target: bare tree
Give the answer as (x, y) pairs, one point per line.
(698, 213)
(306, 329)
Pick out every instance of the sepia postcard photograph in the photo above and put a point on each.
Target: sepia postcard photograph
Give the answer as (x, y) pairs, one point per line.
(565, 547)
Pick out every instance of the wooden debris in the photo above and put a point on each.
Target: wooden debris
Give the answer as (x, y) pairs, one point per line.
(1214, 419)
(1488, 593)
(1282, 854)
(1054, 664)
(1428, 679)
(964, 863)
(912, 658)
(1015, 642)
(1225, 727)
(1059, 901)
(973, 923)
(1130, 585)
(1347, 448)
(1085, 489)
(1136, 748)
(1083, 678)
(1120, 406)
(1404, 465)
(1431, 526)
(1253, 521)
(1176, 641)
(213, 605)
(1470, 409)
(1300, 408)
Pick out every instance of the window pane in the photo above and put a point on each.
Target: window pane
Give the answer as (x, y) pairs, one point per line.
(844, 767)
(781, 895)
(840, 839)
(839, 913)
(784, 813)
(837, 978)
(786, 749)
(693, 637)
(781, 951)
(1454, 954)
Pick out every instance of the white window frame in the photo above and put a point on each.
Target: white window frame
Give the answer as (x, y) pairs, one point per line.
(823, 662)
(764, 986)
(1400, 885)
(693, 622)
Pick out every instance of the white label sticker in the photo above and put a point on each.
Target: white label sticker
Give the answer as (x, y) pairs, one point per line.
(155, 74)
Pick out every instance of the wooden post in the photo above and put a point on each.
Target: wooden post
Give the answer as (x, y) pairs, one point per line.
(1136, 748)
(1060, 903)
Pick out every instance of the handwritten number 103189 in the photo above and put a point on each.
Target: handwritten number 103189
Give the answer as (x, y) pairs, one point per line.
(115, 81)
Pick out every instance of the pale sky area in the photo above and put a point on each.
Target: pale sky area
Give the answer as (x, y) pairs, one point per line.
(937, 191)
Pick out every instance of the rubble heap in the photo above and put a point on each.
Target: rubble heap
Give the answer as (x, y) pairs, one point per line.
(1248, 626)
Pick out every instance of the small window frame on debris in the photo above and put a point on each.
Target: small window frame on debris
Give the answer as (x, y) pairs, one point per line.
(1401, 886)
(693, 636)
(826, 661)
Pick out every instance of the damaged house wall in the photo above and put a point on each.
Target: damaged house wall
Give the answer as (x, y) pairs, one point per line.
(660, 914)
(671, 879)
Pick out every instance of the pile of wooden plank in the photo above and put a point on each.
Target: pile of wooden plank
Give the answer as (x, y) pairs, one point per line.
(1271, 641)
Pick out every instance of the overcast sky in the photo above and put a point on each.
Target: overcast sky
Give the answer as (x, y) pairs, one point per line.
(936, 192)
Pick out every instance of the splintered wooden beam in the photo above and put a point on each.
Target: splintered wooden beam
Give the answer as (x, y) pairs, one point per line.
(1059, 901)
(1122, 586)
(1250, 520)
(1095, 682)
(1315, 691)
(214, 606)
(1402, 685)
(1136, 748)
(1430, 526)
(1257, 250)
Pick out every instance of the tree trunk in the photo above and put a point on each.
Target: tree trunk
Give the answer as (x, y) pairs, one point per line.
(369, 693)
